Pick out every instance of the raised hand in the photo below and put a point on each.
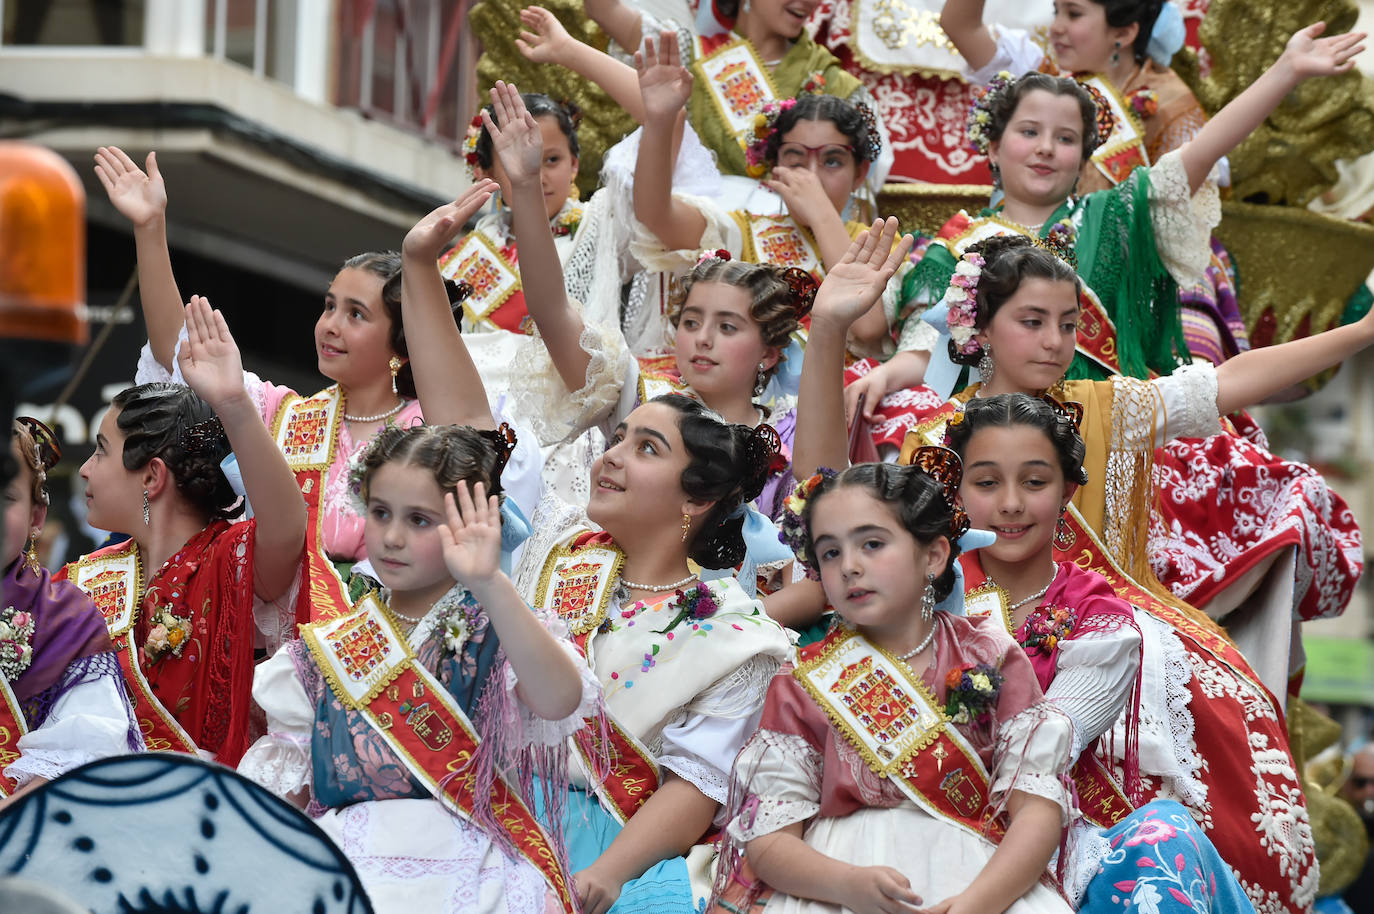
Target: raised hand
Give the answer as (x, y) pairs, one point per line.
(140, 197)
(857, 281)
(664, 82)
(210, 360)
(472, 537)
(1310, 55)
(427, 238)
(518, 142)
(546, 41)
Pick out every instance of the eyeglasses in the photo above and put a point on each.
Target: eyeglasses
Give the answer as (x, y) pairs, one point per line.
(799, 155)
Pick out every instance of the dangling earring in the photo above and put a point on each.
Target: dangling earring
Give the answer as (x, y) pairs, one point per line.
(31, 556)
(573, 192)
(985, 365)
(1064, 538)
(145, 508)
(928, 599)
(686, 525)
(1116, 53)
(760, 381)
(395, 366)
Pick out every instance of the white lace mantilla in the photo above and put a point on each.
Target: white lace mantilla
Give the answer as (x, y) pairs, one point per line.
(1183, 221)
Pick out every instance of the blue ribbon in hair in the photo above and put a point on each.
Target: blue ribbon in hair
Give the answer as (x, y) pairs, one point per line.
(761, 547)
(229, 466)
(973, 539)
(1167, 36)
(515, 529)
(941, 374)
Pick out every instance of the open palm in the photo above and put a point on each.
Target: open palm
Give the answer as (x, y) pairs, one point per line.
(518, 141)
(1311, 55)
(471, 539)
(210, 360)
(664, 82)
(139, 196)
(428, 237)
(546, 41)
(857, 281)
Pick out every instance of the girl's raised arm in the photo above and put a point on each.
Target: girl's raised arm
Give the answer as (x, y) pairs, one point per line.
(962, 21)
(520, 147)
(1306, 56)
(142, 199)
(546, 41)
(211, 366)
(665, 86)
(446, 379)
(619, 20)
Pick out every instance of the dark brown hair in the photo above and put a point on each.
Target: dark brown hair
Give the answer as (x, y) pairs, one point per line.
(772, 302)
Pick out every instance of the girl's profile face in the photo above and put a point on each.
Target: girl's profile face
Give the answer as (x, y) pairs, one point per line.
(873, 570)
(114, 495)
(637, 481)
(23, 516)
(820, 147)
(353, 333)
(1033, 335)
(1014, 486)
(1040, 153)
(556, 173)
(719, 345)
(405, 507)
(1082, 40)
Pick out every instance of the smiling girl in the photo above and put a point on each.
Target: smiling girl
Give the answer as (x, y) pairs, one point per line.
(375, 761)
(908, 761)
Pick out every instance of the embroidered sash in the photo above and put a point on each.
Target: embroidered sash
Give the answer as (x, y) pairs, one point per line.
(1096, 332)
(893, 721)
(576, 583)
(1124, 150)
(658, 376)
(12, 726)
(497, 298)
(737, 82)
(306, 431)
(779, 240)
(1100, 798)
(372, 669)
(114, 582)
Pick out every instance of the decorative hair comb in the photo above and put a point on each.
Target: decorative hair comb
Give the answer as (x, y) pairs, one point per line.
(573, 111)
(803, 286)
(204, 438)
(944, 466)
(503, 439)
(873, 140)
(1066, 410)
(458, 292)
(44, 440)
(1106, 121)
(761, 449)
(717, 254)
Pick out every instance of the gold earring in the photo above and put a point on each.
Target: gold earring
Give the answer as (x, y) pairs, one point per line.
(686, 525)
(395, 365)
(31, 556)
(574, 193)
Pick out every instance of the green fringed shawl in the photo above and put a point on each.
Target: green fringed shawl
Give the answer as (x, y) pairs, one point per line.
(1117, 259)
(801, 62)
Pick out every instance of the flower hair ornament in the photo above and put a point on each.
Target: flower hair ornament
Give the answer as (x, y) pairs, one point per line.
(708, 256)
(944, 466)
(503, 440)
(756, 143)
(474, 132)
(792, 527)
(979, 123)
(962, 299)
(804, 287)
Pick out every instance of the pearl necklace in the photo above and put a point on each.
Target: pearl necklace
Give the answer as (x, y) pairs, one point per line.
(925, 643)
(657, 588)
(380, 416)
(1030, 599)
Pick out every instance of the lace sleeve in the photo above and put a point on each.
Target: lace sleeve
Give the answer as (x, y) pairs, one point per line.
(553, 521)
(1189, 396)
(917, 336)
(544, 401)
(721, 232)
(1016, 52)
(781, 772)
(280, 761)
(90, 721)
(1093, 680)
(1032, 755)
(539, 731)
(1182, 220)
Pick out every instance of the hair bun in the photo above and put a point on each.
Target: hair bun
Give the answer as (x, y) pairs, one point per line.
(803, 286)
(503, 441)
(761, 448)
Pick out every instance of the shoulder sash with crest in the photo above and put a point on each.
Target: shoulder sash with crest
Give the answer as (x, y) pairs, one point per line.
(306, 431)
(114, 581)
(892, 719)
(372, 670)
(779, 240)
(737, 82)
(576, 583)
(1124, 150)
(1096, 332)
(1100, 798)
(12, 726)
(497, 300)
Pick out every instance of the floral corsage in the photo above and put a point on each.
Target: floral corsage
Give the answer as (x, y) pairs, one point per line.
(1145, 102)
(454, 619)
(695, 603)
(962, 299)
(567, 222)
(168, 635)
(16, 642)
(1046, 627)
(971, 692)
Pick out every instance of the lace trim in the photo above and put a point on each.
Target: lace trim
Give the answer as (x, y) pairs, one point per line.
(280, 762)
(540, 731)
(1183, 221)
(554, 520)
(711, 781)
(917, 335)
(149, 369)
(1088, 847)
(649, 250)
(761, 814)
(1192, 392)
(1023, 741)
(1175, 730)
(739, 694)
(47, 763)
(544, 401)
